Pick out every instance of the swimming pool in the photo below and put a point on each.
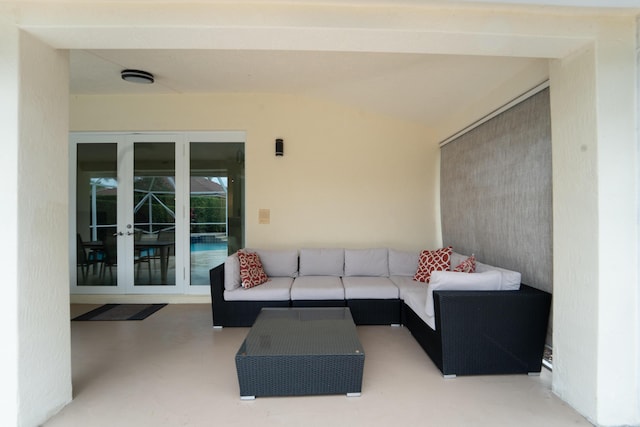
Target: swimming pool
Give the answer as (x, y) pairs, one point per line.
(218, 246)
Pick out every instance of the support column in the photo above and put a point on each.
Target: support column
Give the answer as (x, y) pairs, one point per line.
(595, 196)
(34, 312)
(9, 220)
(44, 336)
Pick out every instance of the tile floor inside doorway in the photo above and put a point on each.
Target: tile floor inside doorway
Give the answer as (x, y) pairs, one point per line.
(174, 369)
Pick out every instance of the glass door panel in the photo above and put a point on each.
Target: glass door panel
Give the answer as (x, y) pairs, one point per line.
(96, 214)
(215, 199)
(154, 214)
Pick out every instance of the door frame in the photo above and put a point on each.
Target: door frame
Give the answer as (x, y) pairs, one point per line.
(125, 140)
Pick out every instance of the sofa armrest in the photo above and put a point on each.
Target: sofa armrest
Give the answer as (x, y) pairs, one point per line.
(216, 281)
(492, 332)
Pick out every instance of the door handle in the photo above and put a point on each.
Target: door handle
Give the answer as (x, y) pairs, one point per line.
(119, 233)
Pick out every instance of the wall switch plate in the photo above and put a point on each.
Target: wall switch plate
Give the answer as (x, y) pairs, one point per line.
(264, 216)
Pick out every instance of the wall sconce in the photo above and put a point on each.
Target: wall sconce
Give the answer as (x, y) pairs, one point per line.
(279, 147)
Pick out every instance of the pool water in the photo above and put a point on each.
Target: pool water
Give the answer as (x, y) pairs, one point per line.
(197, 247)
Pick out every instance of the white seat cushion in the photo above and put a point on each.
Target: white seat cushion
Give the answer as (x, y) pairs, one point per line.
(274, 289)
(416, 299)
(317, 288)
(369, 288)
(406, 284)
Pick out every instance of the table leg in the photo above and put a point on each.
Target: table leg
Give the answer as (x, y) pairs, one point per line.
(164, 263)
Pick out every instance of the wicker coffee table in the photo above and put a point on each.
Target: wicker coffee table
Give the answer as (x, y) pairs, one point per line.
(301, 351)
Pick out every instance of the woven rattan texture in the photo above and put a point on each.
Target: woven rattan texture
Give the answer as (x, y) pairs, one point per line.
(485, 332)
(299, 375)
(301, 351)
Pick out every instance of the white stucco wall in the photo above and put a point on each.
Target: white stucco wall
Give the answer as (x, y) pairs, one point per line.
(575, 213)
(637, 165)
(593, 103)
(44, 345)
(618, 194)
(9, 217)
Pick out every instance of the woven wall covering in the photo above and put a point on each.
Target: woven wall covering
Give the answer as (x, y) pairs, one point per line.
(496, 199)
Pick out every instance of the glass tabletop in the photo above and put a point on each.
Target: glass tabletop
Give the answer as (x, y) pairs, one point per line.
(302, 331)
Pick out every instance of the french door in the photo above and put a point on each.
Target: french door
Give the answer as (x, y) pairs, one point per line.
(153, 212)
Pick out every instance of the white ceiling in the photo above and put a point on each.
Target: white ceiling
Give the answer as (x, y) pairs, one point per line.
(417, 87)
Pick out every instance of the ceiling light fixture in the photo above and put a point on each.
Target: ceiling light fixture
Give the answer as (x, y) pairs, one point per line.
(137, 76)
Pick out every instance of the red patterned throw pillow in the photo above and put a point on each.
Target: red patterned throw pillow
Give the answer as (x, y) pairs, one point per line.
(467, 266)
(251, 271)
(429, 261)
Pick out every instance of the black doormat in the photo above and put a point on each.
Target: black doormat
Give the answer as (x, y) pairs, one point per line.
(121, 312)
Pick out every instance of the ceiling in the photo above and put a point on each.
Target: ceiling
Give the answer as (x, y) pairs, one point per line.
(417, 87)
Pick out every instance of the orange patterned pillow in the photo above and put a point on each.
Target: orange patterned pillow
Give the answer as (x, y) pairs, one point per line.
(429, 261)
(251, 271)
(467, 266)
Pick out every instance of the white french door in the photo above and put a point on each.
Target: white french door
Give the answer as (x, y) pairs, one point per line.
(134, 229)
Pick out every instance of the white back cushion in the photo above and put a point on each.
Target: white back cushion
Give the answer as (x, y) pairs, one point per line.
(456, 259)
(232, 278)
(366, 262)
(321, 262)
(278, 263)
(403, 263)
(455, 281)
(510, 280)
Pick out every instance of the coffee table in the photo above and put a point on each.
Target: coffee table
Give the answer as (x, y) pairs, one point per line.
(301, 351)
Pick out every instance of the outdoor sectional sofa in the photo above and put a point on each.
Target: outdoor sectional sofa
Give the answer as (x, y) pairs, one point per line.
(491, 323)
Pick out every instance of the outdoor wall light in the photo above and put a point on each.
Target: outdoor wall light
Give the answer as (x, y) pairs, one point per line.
(279, 147)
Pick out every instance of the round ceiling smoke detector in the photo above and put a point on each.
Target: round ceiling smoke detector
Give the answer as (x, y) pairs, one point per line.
(137, 76)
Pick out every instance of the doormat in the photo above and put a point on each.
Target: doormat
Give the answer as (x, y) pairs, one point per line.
(121, 312)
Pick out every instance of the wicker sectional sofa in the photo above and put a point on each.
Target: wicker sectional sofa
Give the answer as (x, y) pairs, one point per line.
(464, 332)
